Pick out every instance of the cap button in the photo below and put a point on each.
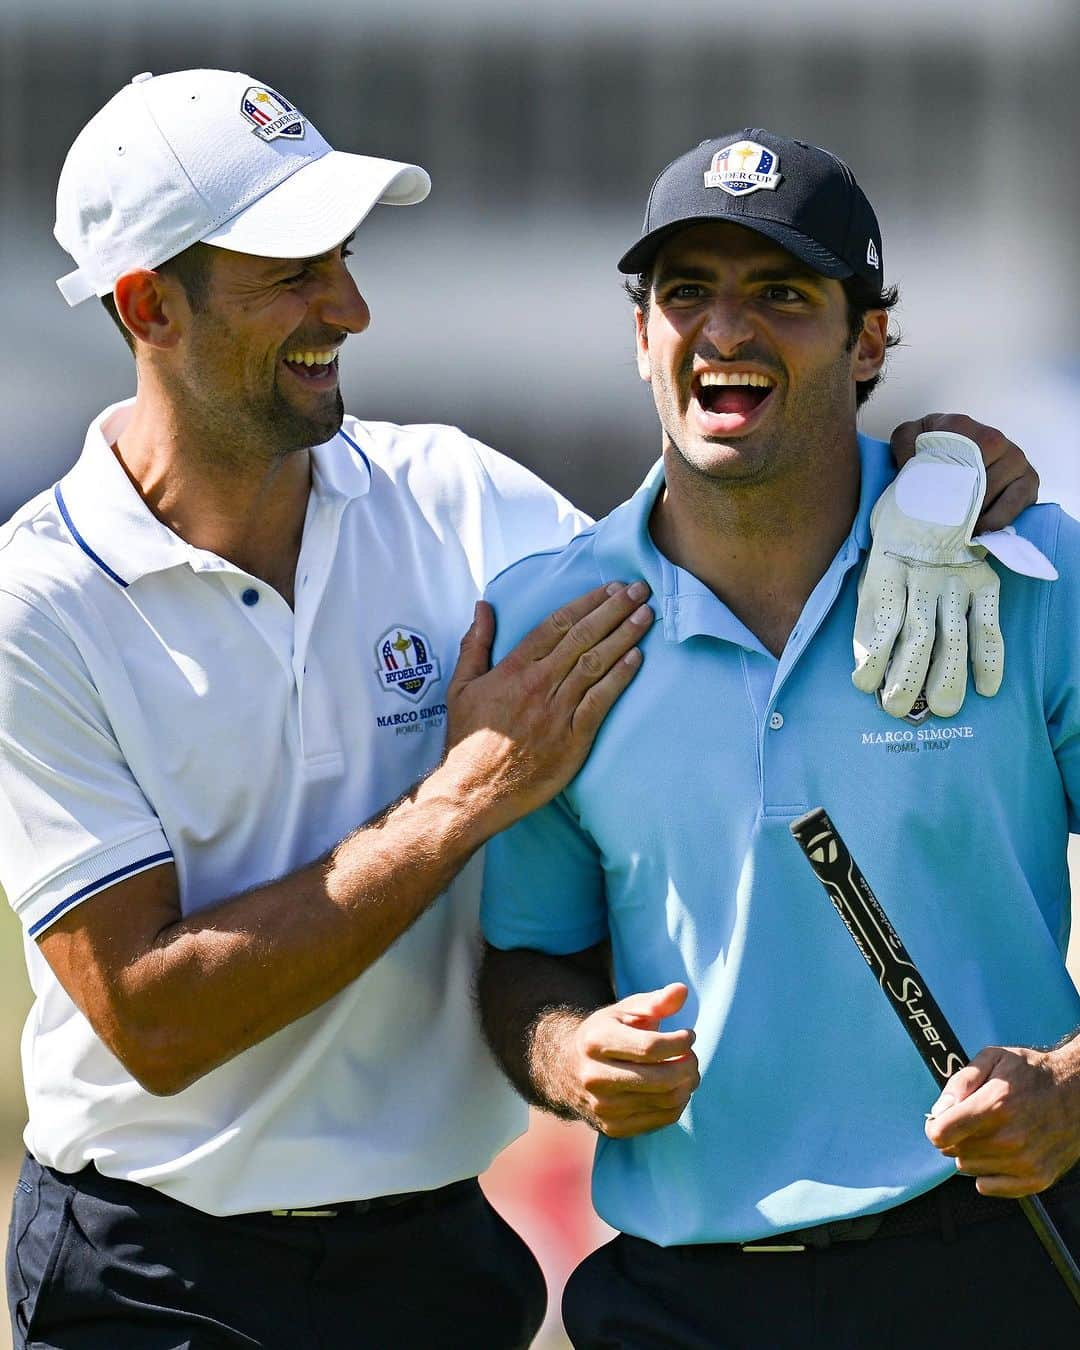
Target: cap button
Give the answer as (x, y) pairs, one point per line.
(138, 79)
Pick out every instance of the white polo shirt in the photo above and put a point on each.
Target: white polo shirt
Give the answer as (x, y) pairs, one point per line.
(158, 704)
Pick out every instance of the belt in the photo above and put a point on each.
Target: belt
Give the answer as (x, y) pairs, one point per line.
(954, 1204)
(404, 1202)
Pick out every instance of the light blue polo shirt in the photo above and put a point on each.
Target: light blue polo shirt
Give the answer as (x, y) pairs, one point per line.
(673, 842)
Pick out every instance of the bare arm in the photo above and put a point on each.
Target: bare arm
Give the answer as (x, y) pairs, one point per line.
(568, 1047)
(145, 977)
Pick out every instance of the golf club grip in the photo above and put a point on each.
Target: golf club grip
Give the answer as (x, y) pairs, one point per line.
(882, 949)
(902, 984)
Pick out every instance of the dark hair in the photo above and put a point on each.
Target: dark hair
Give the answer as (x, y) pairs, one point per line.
(861, 297)
(190, 268)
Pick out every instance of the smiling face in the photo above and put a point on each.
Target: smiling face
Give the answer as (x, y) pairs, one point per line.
(258, 364)
(749, 355)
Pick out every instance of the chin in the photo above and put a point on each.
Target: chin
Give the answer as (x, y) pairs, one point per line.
(294, 429)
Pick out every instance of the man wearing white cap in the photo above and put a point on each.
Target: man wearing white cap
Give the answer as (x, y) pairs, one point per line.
(258, 1100)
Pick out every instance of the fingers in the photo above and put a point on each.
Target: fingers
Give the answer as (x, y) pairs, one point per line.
(902, 441)
(651, 1008)
(600, 673)
(629, 1030)
(1011, 481)
(985, 637)
(946, 681)
(474, 654)
(580, 624)
(621, 1099)
(1004, 1120)
(633, 1078)
(990, 441)
(882, 602)
(518, 732)
(906, 674)
(1012, 485)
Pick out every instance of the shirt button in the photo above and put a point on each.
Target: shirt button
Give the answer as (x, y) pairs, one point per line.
(250, 596)
(776, 721)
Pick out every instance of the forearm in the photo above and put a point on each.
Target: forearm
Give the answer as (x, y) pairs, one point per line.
(267, 957)
(145, 975)
(531, 1006)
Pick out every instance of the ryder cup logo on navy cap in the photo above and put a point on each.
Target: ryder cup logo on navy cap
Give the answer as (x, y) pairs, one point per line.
(211, 156)
(802, 197)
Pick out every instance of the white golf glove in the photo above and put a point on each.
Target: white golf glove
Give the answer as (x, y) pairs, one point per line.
(927, 583)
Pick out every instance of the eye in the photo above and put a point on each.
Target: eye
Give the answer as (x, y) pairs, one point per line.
(783, 294)
(346, 252)
(683, 290)
(295, 279)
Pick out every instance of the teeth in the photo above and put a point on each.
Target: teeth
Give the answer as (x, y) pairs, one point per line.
(311, 358)
(736, 377)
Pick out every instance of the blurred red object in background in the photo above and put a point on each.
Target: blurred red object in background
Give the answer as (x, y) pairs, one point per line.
(540, 1185)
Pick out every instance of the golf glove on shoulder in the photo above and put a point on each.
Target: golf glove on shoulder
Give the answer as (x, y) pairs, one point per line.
(927, 596)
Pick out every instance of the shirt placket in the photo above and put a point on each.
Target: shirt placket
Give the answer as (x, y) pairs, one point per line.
(782, 788)
(319, 733)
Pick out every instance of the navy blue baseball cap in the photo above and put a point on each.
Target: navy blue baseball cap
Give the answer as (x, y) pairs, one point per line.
(802, 197)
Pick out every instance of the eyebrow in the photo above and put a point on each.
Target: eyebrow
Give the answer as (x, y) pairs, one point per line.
(793, 271)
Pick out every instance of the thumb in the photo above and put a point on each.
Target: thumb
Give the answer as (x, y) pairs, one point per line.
(962, 1084)
(474, 656)
(649, 1009)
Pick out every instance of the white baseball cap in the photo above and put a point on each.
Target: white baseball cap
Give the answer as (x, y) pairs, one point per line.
(209, 155)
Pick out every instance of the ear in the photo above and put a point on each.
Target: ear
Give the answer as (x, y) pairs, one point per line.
(641, 337)
(869, 351)
(150, 306)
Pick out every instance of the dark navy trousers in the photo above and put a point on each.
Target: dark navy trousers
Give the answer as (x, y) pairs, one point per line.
(99, 1264)
(988, 1286)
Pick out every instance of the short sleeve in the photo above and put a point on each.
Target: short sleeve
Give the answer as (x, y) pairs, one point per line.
(73, 820)
(1062, 656)
(527, 516)
(544, 885)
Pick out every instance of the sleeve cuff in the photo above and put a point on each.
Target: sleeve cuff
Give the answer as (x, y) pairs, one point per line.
(89, 875)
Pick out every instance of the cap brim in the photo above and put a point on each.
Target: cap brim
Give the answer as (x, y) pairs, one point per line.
(640, 258)
(319, 205)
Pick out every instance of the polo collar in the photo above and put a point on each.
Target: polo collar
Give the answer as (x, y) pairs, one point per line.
(624, 549)
(115, 528)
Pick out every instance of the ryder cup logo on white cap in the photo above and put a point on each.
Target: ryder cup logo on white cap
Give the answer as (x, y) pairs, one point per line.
(270, 114)
(171, 161)
(744, 167)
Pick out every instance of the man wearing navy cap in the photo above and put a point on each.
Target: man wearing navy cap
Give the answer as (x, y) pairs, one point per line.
(661, 961)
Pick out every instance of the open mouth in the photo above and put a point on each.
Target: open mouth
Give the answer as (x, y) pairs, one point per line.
(732, 395)
(314, 366)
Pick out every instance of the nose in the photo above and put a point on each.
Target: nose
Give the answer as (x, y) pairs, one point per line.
(727, 325)
(342, 304)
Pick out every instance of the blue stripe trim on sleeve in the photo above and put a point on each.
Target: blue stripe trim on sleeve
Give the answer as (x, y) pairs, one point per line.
(349, 441)
(99, 885)
(81, 541)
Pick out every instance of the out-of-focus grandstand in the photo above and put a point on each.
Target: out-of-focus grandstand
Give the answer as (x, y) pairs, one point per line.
(497, 305)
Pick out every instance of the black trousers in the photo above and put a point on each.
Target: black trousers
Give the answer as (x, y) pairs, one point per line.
(99, 1264)
(989, 1285)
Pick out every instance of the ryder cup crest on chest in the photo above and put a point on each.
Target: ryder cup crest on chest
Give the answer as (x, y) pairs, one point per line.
(271, 115)
(744, 167)
(406, 662)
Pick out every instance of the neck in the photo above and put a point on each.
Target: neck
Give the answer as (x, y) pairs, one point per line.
(760, 547)
(239, 501)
